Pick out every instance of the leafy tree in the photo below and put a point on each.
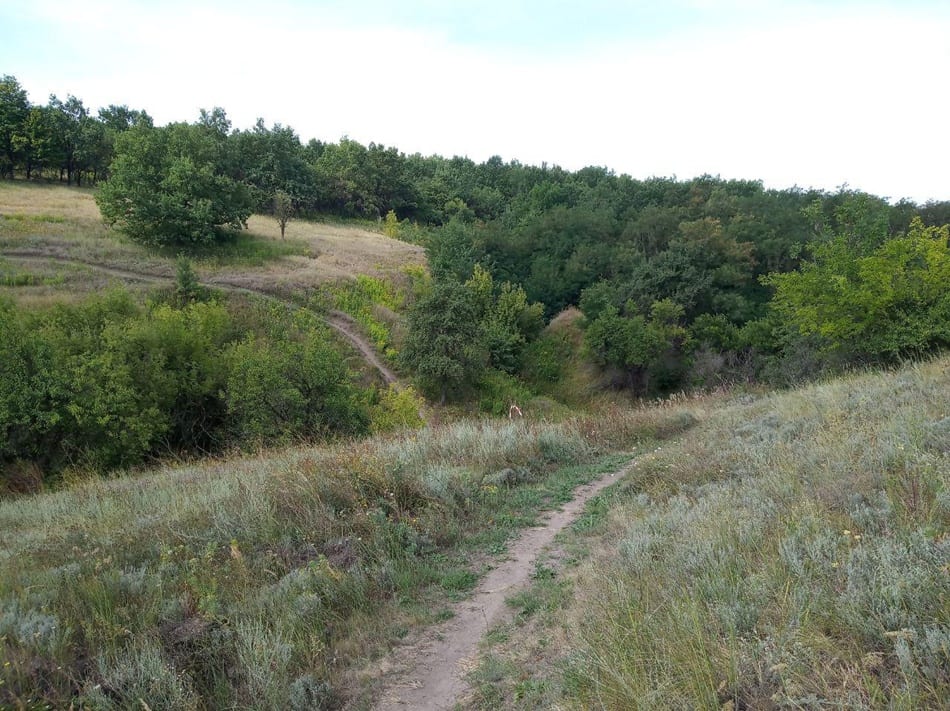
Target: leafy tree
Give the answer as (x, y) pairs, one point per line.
(171, 185)
(187, 287)
(36, 142)
(120, 118)
(890, 303)
(507, 321)
(648, 351)
(283, 210)
(292, 388)
(14, 110)
(391, 225)
(272, 160)
(443, 344)
(451, 252)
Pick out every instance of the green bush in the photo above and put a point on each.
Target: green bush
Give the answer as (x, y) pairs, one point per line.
(110, 383)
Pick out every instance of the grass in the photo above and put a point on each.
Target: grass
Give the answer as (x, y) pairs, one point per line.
(265, 581)
(60, 221)
(793, 551)
(40, 283)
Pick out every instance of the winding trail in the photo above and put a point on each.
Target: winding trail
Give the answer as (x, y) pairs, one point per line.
(337, 320)
(428, 672)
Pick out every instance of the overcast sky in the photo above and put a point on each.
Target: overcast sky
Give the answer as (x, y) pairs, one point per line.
(815, 94)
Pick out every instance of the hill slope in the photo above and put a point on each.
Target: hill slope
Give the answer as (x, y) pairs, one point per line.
(793, 551)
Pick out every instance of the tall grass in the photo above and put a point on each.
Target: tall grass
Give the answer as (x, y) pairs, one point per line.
(258, 582)
(792, 552)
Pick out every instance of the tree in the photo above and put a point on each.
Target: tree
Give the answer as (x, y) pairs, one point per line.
(121, 118)
(649, 351)
(506, 319)
(890, 303)
(172, 185)
(14, 110)
(272, 159)
(291, 387)
(283, 210)
(443, 340)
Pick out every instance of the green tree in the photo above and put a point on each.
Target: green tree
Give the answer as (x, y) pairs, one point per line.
(283, 210)
(648, 351)
(14, 110)
(886, 304)
(172, 185)
(443, 345)
(269, 160)
(297, 387)
(507, 321)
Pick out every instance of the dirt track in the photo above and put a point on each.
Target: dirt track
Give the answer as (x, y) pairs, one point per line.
(337, 320)
(428, 672)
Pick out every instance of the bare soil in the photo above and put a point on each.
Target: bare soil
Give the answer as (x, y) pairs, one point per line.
(427, 673)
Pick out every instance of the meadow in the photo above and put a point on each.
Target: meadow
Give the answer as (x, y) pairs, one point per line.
(271, 581)
(63, 222)
(792, 552)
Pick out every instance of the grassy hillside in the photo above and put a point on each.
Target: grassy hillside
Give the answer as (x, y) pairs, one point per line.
(60, 221)
(263, 582)
(792, 552)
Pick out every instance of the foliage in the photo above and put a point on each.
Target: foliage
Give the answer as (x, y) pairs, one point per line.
(506, 319)
(108, 383)
(888, 303)
(293, 388)
(391, 225)
(187, 287)
(648, 350)
(397, 408)
(703, 243)
(283, 210)
(171, 185)
(443, 343)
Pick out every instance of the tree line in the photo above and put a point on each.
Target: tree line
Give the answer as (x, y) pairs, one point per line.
(680, 281)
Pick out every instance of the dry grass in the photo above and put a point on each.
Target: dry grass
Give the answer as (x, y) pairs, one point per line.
(257, 582)
(40, 283)
(327, 253)
(793, 551)
(64, 222)
(38, 199)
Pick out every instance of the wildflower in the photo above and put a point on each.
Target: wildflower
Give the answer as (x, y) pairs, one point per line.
(846, 532)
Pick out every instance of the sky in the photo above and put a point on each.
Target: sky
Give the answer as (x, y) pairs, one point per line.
(817, 94)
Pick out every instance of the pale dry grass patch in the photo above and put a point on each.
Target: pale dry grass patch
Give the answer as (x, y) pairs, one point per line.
(335, 251)
(792, 550)
(64, 222)
(38, 199)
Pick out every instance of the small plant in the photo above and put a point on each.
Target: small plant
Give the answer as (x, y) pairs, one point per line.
(187, 287)
(283, 210)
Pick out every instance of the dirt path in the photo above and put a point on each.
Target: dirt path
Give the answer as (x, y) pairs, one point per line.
(337, 320)
(428, 673)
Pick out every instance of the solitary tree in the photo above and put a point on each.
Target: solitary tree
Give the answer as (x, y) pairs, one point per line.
(172, 185)
(283, 210)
